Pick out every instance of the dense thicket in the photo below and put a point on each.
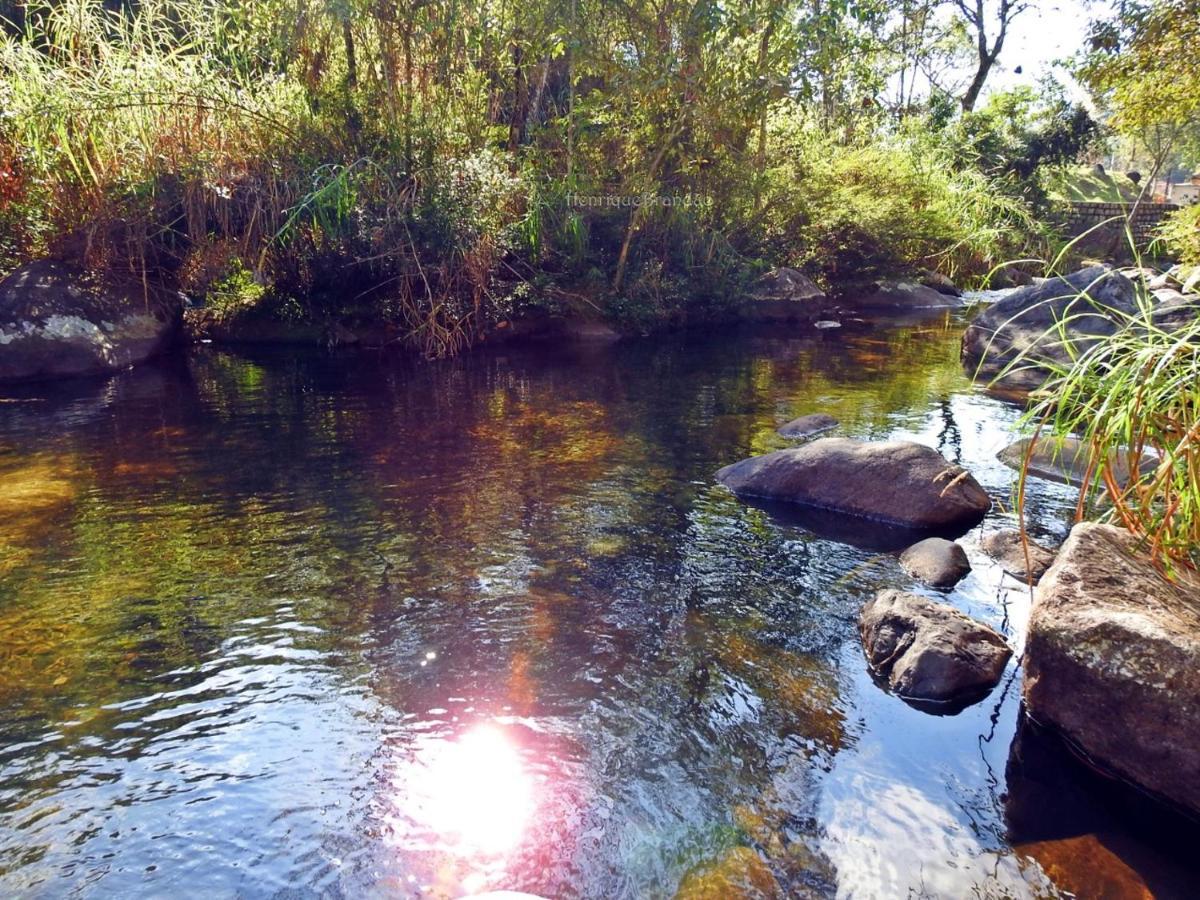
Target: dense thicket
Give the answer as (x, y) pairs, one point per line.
(443, 165)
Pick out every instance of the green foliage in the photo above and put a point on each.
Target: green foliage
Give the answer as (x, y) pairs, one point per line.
(1181, 233)
(1020, 138)
(862, 210)
(421, 164)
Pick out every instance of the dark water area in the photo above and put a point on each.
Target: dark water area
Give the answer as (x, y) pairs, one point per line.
(299, 624)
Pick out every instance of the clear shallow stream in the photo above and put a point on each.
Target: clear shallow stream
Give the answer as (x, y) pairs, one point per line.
(291, 624)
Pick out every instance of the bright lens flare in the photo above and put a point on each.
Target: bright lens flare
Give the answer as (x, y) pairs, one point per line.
(479, 793)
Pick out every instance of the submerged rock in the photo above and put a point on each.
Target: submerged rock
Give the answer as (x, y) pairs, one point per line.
(740, 872)
(1065, 460)
(1042, 324)
(1022, 559)
(807, 426)
(1112, 661)
(930, 651)
(936, 561)
(784, 294)
(58, 320)
(899, 482)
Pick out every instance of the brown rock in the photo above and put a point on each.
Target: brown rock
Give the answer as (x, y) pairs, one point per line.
(930, 651)
(936, 561)
(1008, 549)
(1113, 662)
(899, 482)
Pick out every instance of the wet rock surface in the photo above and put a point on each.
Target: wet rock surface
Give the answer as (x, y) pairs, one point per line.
(936, 561)
(930, 651)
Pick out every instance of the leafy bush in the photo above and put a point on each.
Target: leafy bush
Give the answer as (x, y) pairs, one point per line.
(1181, 233)
(860, 210)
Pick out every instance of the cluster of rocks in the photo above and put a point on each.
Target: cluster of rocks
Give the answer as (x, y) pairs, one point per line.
(1112, 656)
(788, 295)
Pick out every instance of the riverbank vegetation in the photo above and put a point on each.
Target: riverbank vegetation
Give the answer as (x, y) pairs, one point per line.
(442, 169)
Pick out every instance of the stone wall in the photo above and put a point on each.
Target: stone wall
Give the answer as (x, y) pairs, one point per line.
(1109, 221)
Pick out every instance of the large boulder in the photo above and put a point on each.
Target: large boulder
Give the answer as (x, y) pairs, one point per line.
(1112, 661)
(929, 651)
(784, 295)
(936, 561)
(898, 482)
(900, 295)
(59, 320)
(1018, 341)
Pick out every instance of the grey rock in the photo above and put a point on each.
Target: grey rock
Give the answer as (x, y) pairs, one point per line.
(58, 320)
(784, 294)
(1065, 460)
(940, 283)
(901, 295)
(1017, 341)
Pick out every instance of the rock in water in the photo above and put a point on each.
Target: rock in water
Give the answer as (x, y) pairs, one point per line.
(1065, 459)
(807, 426)
(1086, 307)
(901, 295)
(1112, 661)
(1007, 548)
(930, 651)
(936, 561)
(898, 482)
(940, 283)
(784, 294)
(58, 320)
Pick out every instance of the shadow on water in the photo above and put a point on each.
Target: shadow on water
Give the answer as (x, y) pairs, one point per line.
(279, 622)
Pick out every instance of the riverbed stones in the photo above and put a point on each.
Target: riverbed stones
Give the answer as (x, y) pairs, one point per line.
(1017, 341)
(1112, 662)
(929, 651)
(808, 426)
(1022, 559)
(898, 482)
(57, 320)
(1065, 460)
(936, 561)
(782, 295)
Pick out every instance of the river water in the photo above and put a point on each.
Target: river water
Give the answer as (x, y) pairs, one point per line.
(299, 624)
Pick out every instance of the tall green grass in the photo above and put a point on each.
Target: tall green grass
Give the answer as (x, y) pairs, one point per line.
(1133, 394)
